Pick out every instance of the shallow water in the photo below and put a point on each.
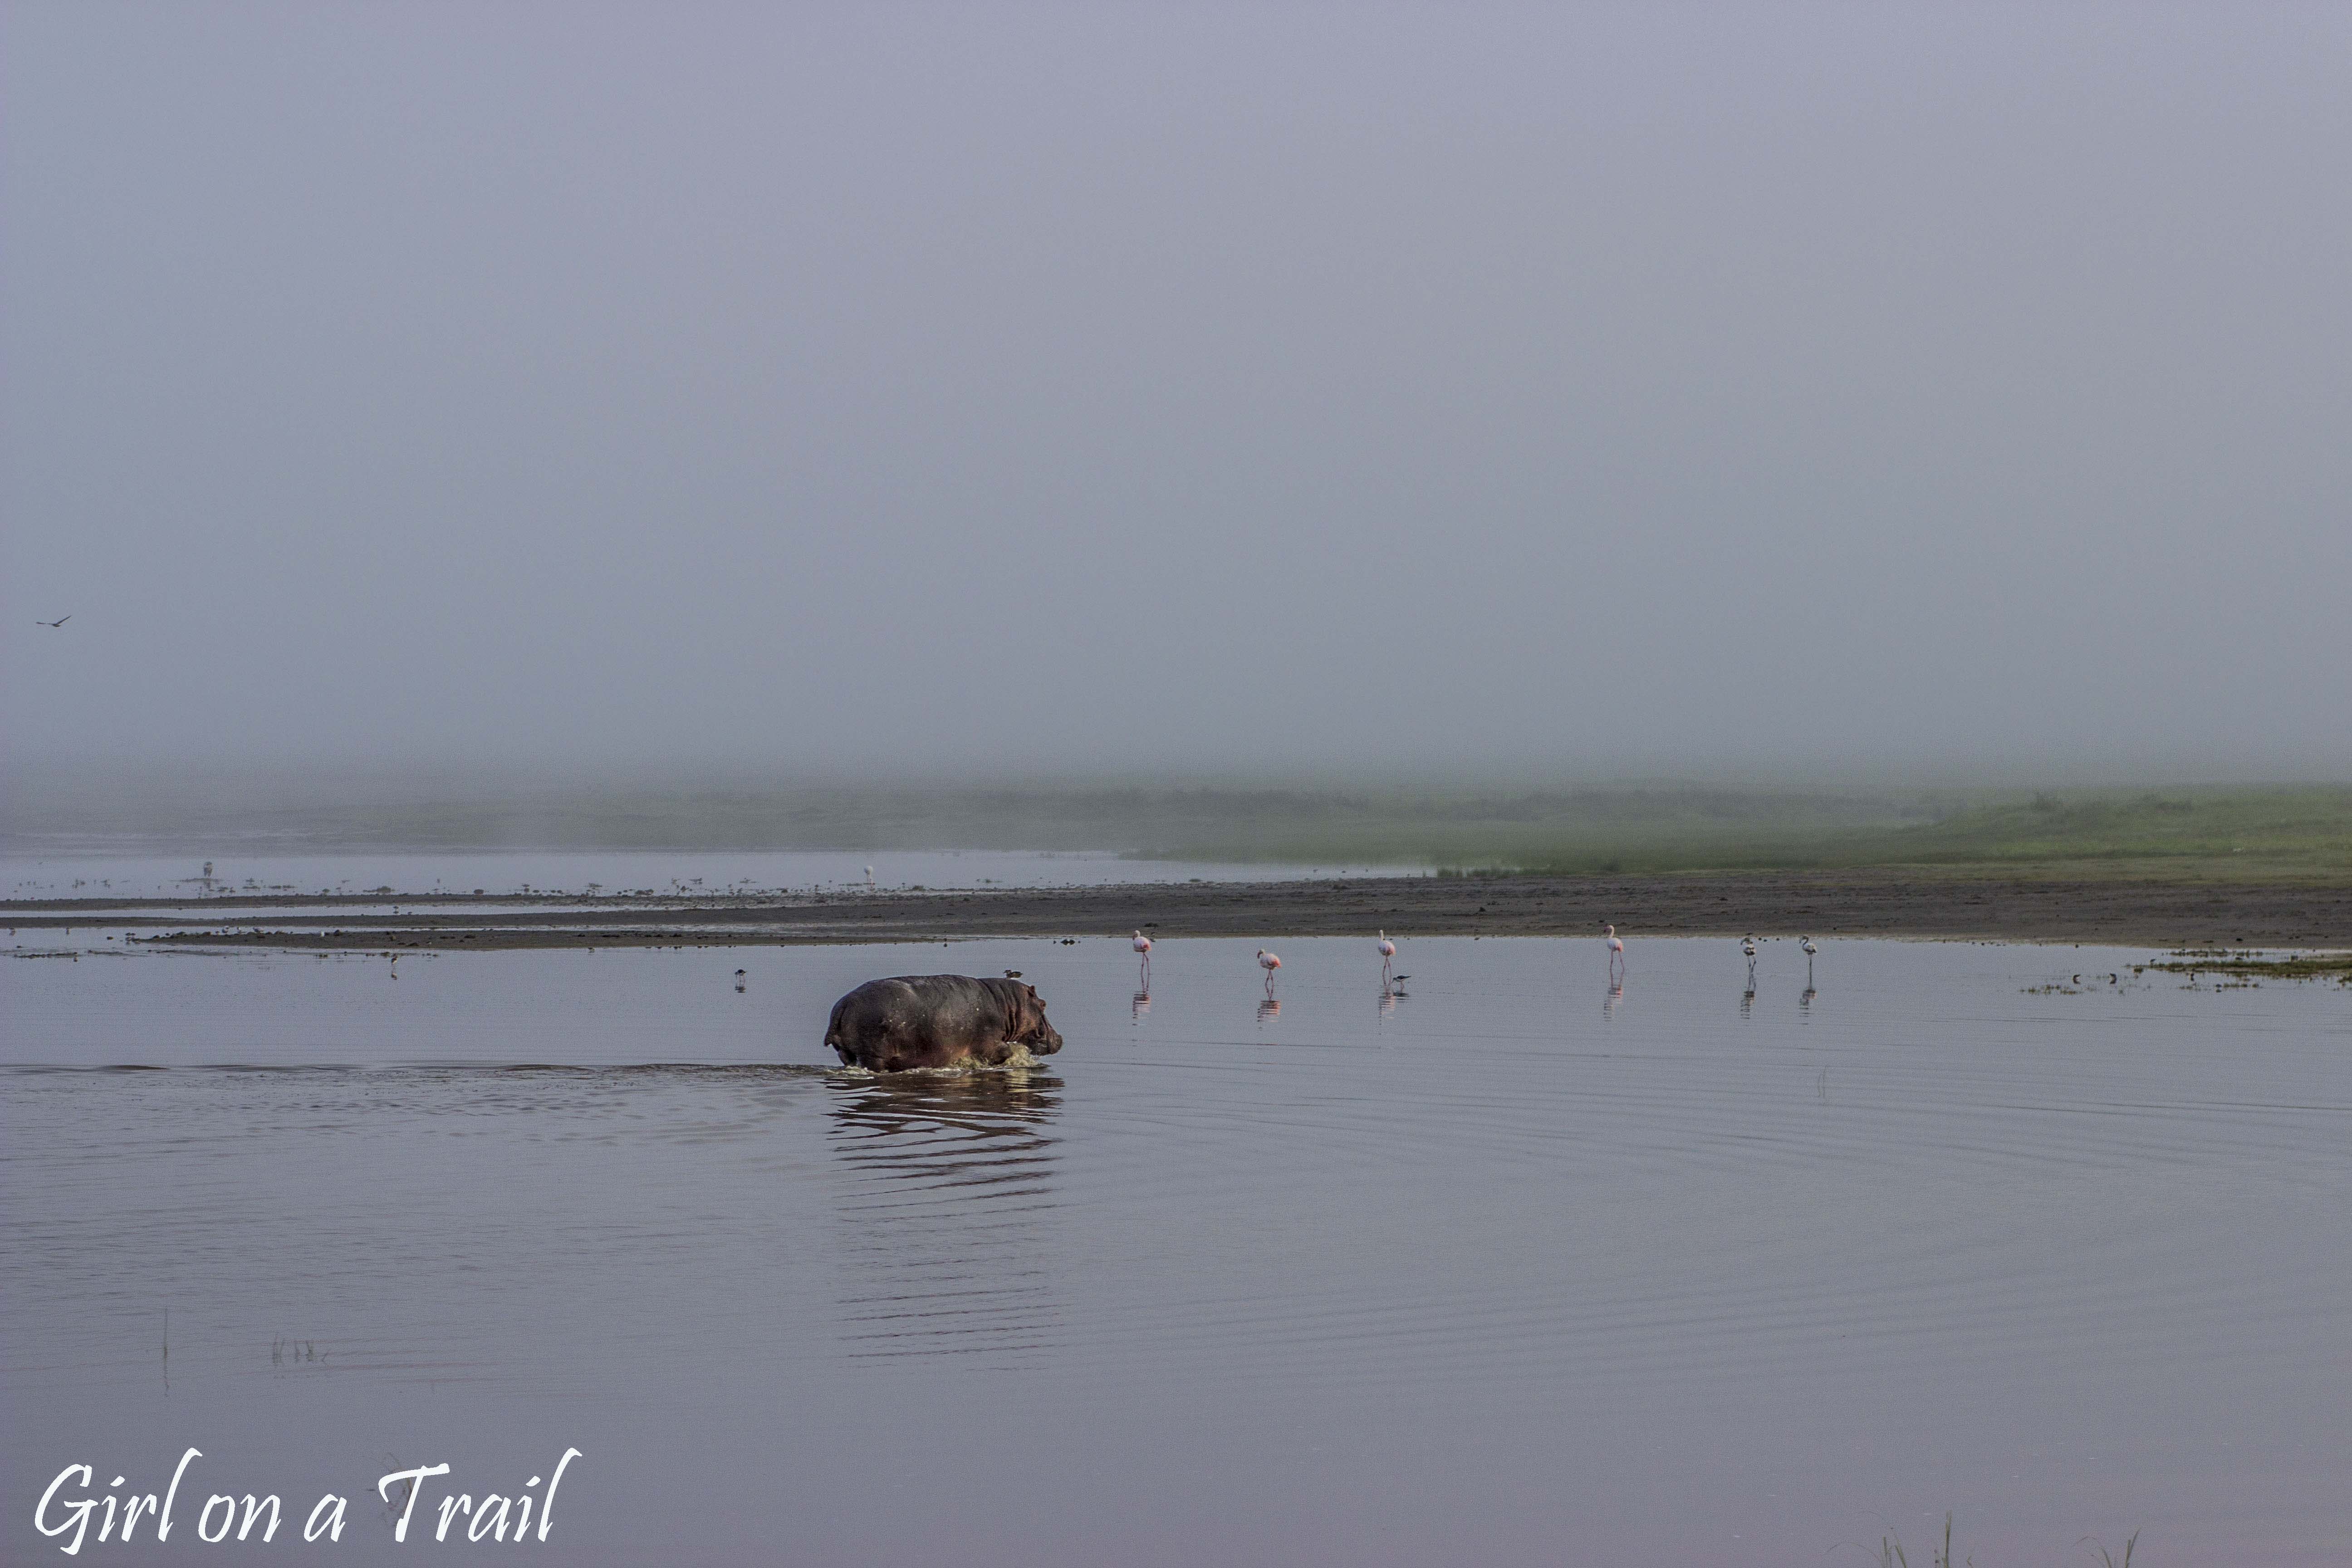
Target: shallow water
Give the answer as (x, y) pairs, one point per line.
(199, 873)
(1512, 1269)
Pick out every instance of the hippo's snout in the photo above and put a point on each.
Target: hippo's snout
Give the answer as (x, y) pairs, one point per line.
(1047, 1040)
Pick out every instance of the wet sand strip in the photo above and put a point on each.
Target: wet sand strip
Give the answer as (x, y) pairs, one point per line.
(2134, 913)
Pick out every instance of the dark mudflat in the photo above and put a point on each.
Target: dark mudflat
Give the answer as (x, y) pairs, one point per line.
(2132, 912)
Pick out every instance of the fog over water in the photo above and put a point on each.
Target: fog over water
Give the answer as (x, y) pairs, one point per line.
(1045, 390)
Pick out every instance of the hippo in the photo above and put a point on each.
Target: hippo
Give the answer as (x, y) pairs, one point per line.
(936, 1021)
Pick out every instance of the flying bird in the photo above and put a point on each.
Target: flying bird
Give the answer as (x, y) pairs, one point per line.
(53, 626)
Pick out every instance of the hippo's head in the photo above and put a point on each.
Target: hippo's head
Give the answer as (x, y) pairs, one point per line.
(1029, 1026)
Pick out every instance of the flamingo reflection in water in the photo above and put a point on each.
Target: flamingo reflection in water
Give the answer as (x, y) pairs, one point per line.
(1268, 1010)
(1616, 994)
(1142, 1004)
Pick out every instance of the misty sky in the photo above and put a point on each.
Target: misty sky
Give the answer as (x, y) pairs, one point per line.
(1776, 389)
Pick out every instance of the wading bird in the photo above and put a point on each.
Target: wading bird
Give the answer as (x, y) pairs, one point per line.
(1268, 962)
(1616, 948)
(1747, 946)
(1805, 945)
(1142, 945)
(1387, 958)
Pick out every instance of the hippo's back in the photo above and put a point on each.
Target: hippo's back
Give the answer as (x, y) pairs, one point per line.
(917, 1021)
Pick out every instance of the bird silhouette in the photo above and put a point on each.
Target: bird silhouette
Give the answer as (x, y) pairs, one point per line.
(53, 626)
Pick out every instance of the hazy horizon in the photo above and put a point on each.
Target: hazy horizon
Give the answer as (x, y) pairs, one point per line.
(1835, 394)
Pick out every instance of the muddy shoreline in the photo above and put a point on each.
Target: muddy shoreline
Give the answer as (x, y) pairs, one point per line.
(2132, 913)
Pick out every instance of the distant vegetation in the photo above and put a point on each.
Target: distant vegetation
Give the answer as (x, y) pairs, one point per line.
(2206, 834)
(2218, 833)
(2230, 835)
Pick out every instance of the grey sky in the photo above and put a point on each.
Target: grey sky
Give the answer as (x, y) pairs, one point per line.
(1778, 389)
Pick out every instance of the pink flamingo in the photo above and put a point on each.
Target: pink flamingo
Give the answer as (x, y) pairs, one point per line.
(1142, 945)
(1268, 962)
(1388, 957)
(1616, 948)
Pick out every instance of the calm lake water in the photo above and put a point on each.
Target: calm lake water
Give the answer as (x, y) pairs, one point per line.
(1513, 1269)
